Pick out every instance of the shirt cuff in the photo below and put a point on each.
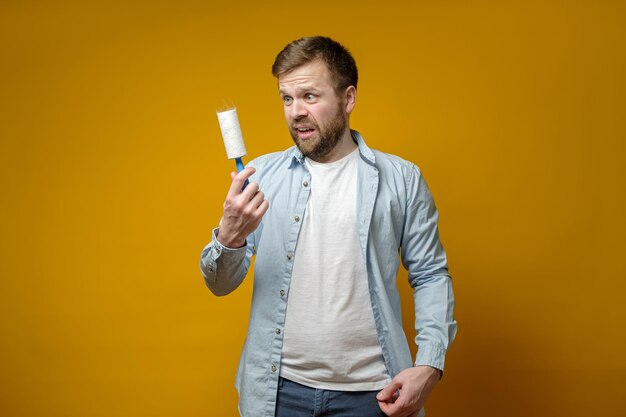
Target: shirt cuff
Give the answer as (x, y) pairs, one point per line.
(223, 248)
(431, 355)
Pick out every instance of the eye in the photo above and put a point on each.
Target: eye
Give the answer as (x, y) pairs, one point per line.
(287, 100)
(309, 97)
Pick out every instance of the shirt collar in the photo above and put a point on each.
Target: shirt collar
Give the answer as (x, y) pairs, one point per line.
(364, 150)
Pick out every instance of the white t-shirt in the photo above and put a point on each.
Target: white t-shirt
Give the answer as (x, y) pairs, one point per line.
(330, 339)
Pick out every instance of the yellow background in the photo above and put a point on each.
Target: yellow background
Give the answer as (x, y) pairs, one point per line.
(113, 174)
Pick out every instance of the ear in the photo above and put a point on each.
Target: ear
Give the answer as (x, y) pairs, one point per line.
(350, 96)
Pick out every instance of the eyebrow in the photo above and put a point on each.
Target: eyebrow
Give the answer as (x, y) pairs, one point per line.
(302, 89)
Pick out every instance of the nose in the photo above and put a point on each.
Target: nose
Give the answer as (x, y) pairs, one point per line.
(297, 110)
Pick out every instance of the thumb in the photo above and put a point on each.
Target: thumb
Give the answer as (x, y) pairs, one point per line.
(388, 392)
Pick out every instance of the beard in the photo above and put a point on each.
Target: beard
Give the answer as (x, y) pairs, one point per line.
(328, 136)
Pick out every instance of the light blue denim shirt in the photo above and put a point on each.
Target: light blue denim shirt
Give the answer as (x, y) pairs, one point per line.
(396, 216)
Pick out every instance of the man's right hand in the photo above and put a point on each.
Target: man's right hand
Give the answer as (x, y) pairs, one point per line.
(243, 210)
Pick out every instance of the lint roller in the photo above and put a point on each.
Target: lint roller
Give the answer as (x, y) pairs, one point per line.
(233, 139)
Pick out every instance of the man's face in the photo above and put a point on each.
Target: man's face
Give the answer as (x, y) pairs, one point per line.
(316, 116)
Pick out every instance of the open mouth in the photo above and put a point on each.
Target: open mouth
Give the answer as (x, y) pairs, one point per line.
(305, 132)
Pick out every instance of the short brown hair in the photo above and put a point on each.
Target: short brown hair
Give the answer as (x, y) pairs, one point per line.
(337, 58)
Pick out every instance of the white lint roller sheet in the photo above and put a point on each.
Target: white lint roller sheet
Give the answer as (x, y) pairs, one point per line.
(233, 138)
(231, 133)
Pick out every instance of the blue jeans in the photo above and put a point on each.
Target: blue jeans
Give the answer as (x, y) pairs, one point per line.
(295, 400)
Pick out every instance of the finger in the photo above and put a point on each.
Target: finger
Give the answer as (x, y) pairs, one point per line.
(232, 175)
(260, 211)
(389, 409)
(251, 190)
(257, 199)
(387, 393)
(395, 409)
(239, 180)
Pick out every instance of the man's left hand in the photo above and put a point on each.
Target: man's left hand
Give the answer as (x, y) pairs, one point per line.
(414, 386)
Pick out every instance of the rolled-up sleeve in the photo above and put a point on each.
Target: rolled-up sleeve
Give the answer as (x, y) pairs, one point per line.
(224, 268)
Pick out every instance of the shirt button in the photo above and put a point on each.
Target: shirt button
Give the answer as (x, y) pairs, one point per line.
(274, 368)
(277, 331)
(305, 183)
(290, 255)
(282, 293)
(296, 218)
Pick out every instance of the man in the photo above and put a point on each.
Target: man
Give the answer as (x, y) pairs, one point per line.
(325, 336)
